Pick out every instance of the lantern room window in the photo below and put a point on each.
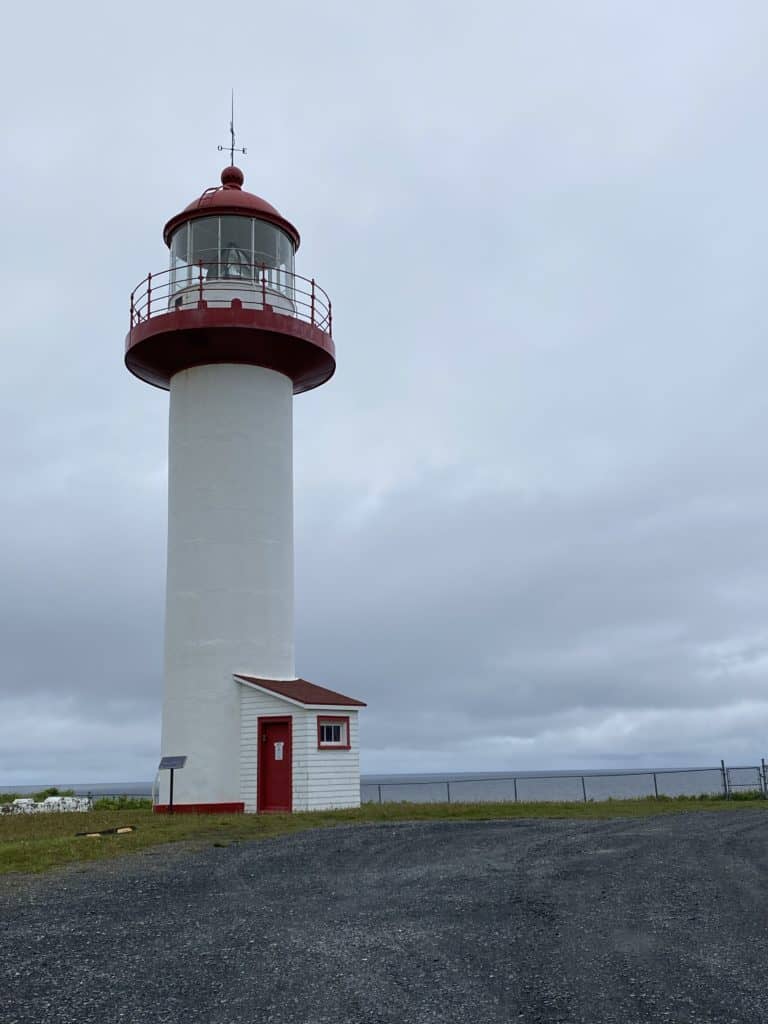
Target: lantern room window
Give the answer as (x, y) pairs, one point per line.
(231, 248)
(333, 733)
(204, 244)
(180, 270)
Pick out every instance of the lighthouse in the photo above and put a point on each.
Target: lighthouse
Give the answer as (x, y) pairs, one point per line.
(233, 332)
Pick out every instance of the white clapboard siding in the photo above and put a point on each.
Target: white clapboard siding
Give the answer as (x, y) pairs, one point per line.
(334, 775)
(322, 779)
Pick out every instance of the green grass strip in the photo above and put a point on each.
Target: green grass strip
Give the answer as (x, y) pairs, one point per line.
(33, 843)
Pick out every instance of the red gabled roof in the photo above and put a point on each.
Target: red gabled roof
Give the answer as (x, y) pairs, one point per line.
(302, 691)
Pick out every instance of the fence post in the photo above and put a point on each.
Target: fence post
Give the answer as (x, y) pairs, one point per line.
(312, 312)
(765, 779)
(149, 296)
(330, 318)
(584, 788)
(655, 786)
(514, 782)
(131, 309)
(379, 792)
(726, 794)
(263, 286)
(447, 784)
(200, 279)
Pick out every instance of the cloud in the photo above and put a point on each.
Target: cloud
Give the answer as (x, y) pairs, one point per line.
(530, 505)
(538, 616)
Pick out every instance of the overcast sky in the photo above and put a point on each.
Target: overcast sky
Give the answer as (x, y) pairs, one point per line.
(531, 505)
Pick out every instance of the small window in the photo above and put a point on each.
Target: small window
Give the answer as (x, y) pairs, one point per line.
(333, 733)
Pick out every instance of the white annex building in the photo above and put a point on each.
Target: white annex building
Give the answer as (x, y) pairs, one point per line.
(312, 731)
(233, 333)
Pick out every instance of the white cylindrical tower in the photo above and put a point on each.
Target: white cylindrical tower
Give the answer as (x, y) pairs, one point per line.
(229, 596)
(232, 332)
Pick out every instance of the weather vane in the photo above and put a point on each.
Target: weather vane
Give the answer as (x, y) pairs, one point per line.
(232, 147)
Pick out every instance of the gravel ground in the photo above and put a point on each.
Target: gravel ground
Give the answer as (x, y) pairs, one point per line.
(657, 919)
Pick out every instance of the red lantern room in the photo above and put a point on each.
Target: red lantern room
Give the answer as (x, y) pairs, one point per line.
(230, 295)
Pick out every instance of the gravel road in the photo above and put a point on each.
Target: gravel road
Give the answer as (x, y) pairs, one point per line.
(652, 920)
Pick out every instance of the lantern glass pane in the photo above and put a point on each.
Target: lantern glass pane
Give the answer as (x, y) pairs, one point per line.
(179, 263)
(236, 256)
(205, 244)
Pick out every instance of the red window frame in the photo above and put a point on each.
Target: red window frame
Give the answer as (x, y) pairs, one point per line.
(333, 720)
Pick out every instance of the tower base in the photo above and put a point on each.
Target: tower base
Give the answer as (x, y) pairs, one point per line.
(233, 808)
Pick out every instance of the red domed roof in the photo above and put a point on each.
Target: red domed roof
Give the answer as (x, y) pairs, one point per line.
(229, 198)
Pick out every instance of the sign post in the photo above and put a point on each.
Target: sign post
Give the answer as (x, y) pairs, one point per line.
(171, 764)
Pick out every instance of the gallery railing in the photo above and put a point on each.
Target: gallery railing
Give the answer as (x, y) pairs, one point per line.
(252, 285)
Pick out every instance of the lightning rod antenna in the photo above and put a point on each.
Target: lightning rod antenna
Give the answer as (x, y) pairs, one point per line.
(232, 147)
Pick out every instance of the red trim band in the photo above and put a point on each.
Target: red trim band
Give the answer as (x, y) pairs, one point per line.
(234, 808)
(161, 346)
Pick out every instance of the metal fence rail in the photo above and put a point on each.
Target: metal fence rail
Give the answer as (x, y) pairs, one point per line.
(583, 787)
(722, 780)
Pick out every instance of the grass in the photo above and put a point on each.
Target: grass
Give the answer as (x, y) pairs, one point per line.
(122, 803)
(35, 843)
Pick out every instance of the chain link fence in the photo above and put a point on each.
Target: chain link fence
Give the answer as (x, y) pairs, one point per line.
(725, 781)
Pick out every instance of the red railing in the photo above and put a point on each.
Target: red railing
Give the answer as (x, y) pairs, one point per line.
(257, 286)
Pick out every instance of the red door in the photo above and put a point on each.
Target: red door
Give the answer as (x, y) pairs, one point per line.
(274, 777)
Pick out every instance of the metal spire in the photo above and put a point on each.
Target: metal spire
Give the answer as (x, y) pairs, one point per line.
(232, 147)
